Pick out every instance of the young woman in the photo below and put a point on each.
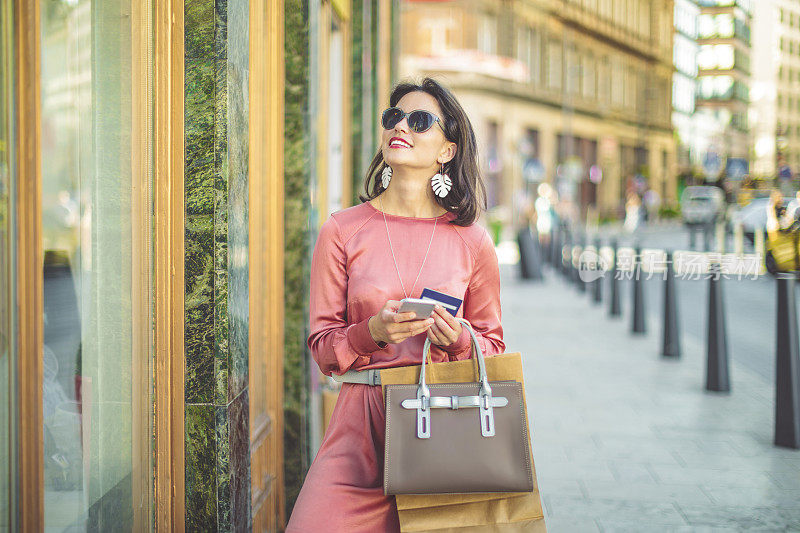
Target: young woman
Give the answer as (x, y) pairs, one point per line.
(415, 229)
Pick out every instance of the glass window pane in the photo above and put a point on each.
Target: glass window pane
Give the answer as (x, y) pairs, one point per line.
(7, 277)
(92, 367)
(724, 25)
(706, 27)
(724, 56)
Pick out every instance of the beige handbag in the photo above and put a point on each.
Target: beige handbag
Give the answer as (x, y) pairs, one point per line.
(457, 437)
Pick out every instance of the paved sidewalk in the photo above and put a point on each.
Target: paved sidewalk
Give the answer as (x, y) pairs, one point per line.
(626, 441)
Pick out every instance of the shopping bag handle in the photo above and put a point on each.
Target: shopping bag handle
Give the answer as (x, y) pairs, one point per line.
(484, 400)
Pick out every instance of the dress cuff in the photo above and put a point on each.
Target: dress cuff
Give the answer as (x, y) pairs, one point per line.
(361, 340)
(461, 344)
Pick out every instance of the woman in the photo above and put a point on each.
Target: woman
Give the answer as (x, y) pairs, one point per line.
(415, 229)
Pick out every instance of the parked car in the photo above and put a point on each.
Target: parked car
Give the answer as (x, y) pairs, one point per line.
(702, 205)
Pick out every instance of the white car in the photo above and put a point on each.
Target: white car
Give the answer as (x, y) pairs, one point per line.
(701, 205)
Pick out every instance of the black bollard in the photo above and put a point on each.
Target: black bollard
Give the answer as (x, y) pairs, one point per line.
(558, 251)
(671, 345)
(787, 366)
(552, 255)
(598, 283)
(536, 256)
(524, 253)
(615, 309)
(530, 265)
(638, 324)
(717, 360)
(577, 273)
(566, 256)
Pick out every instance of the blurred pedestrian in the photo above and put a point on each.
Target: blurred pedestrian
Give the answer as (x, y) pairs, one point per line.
(415, 229)
(652, 204)
(775, 211)
(633, 213)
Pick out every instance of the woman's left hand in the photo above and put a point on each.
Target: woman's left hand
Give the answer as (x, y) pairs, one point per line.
(445, 329)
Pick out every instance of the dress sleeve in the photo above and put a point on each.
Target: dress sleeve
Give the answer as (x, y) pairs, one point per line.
(335, 344)
(481, 306)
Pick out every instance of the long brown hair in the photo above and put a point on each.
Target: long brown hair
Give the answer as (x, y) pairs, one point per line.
(468, 195)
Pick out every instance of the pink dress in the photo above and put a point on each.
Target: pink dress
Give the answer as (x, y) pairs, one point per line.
(352, 276)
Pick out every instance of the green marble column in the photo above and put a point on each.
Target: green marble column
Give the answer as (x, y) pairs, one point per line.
(216, 308)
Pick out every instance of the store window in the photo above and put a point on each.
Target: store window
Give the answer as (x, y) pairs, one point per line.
(336, 112)
(7, 279)
(95, 229)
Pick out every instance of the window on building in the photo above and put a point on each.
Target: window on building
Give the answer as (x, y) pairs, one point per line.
(536, 56)
(725, 25)
(589, 78)
(706, 27)
(572, 70)
(487, 34)
(617, 80)
(644, 18)
(554, 69)
(524, 47)
(604, 81)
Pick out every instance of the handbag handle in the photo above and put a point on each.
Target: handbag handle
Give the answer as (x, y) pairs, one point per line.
(485, 403)
(477, 354)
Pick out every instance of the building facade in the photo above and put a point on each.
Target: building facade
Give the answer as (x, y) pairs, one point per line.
(684, 84)
(724, 74)
(775, 99)
(576, 94)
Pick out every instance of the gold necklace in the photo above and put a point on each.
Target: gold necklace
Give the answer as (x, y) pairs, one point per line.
(397, 269)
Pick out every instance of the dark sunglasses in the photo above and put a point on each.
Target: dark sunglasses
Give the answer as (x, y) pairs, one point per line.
(419, 121)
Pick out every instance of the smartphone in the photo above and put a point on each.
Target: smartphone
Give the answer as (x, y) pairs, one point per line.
(422, 308)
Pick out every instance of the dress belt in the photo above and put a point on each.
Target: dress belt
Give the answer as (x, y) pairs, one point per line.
(365, 377)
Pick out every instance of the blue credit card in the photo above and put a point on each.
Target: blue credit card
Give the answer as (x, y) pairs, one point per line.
(451, 303)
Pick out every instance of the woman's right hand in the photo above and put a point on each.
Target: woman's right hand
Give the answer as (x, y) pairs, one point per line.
(392, 327)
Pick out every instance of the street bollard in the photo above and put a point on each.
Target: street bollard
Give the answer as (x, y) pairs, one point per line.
(708, 230)
(524, 253)
(566, 250)
(738, 239)
(671, 345)
(535, 255)
(578, 280)
(529, 262)
(720, 234)
(717, 354)
(787, 366)
(638, 319)
(758, 244)
(551, 247)
(598, 283)
(559, 245)
(615, 308)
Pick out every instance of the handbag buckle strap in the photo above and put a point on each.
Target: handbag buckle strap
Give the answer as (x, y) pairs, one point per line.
(454, 402)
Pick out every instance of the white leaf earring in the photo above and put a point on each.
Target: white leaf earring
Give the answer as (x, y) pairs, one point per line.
(386, 176)
(441, 183)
